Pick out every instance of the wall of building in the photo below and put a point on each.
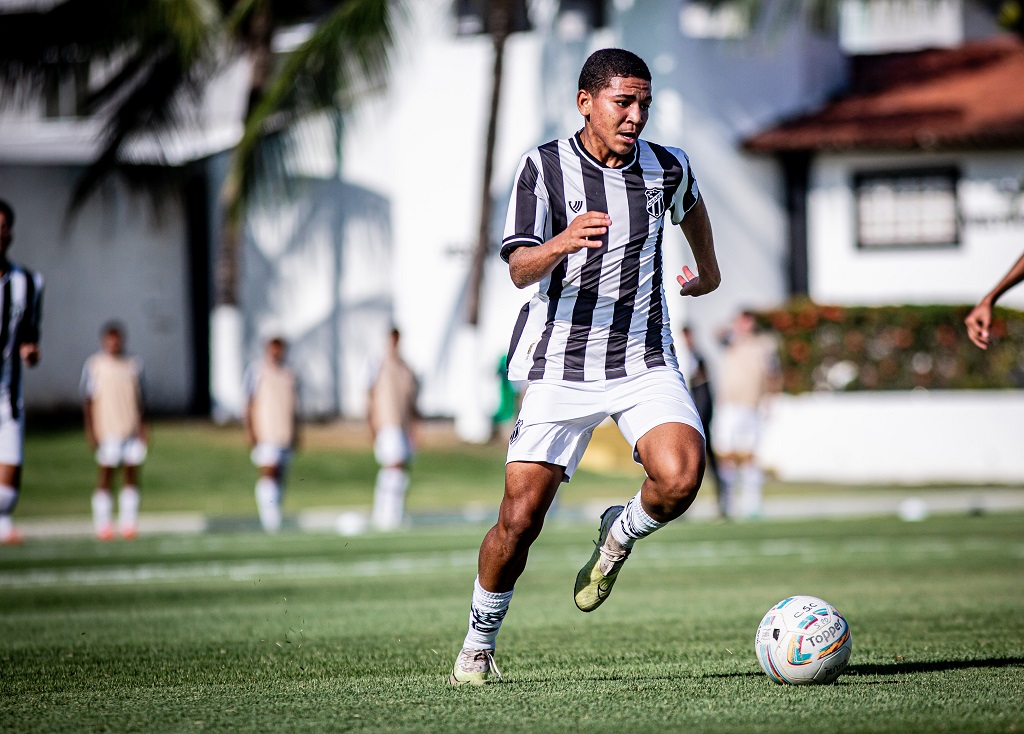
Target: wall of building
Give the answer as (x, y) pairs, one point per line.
(118, 259)
(991, 215)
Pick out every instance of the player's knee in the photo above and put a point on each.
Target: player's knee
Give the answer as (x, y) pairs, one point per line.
(677, 486)
(520, 526)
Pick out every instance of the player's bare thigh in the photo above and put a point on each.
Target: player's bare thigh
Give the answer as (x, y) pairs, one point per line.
(10, 475)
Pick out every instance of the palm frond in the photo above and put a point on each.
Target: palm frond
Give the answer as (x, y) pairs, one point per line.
(346, 55)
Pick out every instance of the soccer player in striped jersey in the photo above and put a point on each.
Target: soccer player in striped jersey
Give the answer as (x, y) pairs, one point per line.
(21, 297)
(585, 222)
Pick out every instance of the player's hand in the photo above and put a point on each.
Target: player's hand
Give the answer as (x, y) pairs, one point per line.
(585, 231)
(689, 283)
(978, 322)
(30, 354)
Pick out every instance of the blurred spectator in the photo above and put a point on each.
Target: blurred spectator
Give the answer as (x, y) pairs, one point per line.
(271, 427)
(749, 372)
(703, 398)
(391, 414)
(980, 318)
(21, 303)
(115, 428)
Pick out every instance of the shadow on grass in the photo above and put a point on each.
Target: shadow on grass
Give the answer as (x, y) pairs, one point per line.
(902, 667)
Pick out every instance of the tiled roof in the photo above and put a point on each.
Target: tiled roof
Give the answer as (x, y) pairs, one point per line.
(971, 96)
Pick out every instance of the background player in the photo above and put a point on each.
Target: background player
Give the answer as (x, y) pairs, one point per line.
(699, 384)
(586, 222)
(115, 428)
(391, 412)
(748, 373)
(21, 298)
(271, 427)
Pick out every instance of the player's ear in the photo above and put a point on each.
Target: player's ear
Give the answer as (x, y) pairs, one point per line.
(584, 102)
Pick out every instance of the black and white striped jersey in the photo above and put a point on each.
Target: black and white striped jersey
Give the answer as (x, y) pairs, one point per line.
(21, 297)
(605, 309)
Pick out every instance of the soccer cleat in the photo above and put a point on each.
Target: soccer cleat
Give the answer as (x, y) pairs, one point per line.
(595, 580)
(106, 533)
(474, 667)
(129, 533)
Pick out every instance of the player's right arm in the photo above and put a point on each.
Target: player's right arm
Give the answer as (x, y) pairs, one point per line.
(86, 389)
(529, 265)
(980, 318)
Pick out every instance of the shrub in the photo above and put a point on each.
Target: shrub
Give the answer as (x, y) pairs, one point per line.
(845, 348)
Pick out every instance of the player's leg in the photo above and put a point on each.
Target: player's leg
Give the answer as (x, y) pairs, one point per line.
(393, 450)
(128, 498)
(10, 485)
(11, 444)
(128, 502)
(269, 461)
(108, 458)
(657, 416)
(530, 488)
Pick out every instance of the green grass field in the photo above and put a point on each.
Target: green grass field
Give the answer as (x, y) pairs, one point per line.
(310, 633)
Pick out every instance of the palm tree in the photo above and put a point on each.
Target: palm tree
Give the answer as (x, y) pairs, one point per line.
(163, 53)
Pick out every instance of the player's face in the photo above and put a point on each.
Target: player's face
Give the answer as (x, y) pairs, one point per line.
(112, 342)
(276, 351)
(6, 234)
(615, 118)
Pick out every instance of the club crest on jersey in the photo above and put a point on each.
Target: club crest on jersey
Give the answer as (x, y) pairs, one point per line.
(515, 432)
(655, 203)
(576, 206)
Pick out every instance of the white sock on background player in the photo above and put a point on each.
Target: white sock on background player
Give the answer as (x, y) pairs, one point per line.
(128, 508)
(102, 511)
(634, 523)
(389, 498)
(8, 499)
(751, 485)
(486, 613)
(268, 503)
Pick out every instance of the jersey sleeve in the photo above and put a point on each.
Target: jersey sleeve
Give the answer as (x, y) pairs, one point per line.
(686, 194)
(87, 386)
(527, 209)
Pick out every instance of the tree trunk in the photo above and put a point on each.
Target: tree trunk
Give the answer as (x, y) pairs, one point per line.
(227, 330)
(500, 24)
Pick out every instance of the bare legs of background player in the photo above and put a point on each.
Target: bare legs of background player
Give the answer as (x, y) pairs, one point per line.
(10, 485)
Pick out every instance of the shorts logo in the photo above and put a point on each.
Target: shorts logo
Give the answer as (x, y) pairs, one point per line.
(515, 432)
(575, 206)
(655, 203)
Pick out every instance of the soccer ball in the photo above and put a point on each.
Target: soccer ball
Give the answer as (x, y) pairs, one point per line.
(803, 640)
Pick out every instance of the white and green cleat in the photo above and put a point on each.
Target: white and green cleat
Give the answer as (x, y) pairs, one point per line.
(595, 580)
(474, 668)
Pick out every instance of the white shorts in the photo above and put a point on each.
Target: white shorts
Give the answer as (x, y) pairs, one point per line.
(558, 417)
(114, 452)
(11, 440)
(736, 429)
(392, 446)
(269, 454)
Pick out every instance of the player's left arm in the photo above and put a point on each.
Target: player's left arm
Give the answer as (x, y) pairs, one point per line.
(29, 337)
(140, 393)
(696, 226)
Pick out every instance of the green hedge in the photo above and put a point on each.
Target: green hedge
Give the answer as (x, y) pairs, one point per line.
(846, 348)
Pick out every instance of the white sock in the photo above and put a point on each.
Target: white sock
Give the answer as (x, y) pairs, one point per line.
(128, 508)
(486, 614)
(633, 523)
(8, 499)
(389, 498)
(102, 510)
(751, 485)
(727, 474)
(268, 503)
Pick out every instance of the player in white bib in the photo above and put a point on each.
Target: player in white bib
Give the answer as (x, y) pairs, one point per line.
(21, 299)
(585, 223)
(115, 427)
(271, 427)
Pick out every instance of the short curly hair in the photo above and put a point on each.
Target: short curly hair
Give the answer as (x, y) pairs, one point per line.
(608, 63)
(8, 211)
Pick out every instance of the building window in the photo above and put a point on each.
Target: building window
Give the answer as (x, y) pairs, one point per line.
(65, 96)
(907, 208)
(472, 17)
